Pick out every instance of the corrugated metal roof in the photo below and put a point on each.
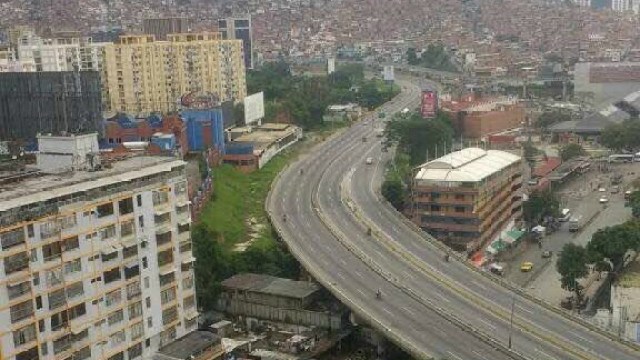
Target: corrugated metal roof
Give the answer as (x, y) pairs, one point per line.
(271, 285)
(466, 165)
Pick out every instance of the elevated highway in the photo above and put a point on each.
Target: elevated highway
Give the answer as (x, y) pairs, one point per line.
(430, 307)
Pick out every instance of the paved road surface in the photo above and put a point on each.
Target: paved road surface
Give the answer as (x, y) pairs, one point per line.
(428, 305)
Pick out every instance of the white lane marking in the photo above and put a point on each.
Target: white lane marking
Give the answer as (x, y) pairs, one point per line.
(454, 355)
(524, 309)
(478, 355)
(407, 275)
(442, 297)
(358, 274)
(343, 262)
(545, 354)
(581, 337)
(361, 292)
(409, 311)
(387, 311)
(340, 276)
(490, 325)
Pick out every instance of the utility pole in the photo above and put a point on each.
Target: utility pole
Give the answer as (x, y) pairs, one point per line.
(513, 304)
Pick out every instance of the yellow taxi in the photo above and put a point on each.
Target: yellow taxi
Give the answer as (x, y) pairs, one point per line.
(526, 266)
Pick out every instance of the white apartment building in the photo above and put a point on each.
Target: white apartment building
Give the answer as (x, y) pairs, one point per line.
(96, 261)
(583, 3)
(60, 54)
(625, 5)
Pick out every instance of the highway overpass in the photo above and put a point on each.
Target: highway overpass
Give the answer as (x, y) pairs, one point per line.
(430, 307)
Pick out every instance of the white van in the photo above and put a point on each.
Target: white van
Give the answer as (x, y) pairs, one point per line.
(565, 214)
(369, 161)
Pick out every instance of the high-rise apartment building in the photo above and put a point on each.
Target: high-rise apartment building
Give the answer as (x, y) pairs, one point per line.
(160, 28)
(625, 5)
(142, 75)
(58, 54)
(239, 29)
(468, 197)
(97, 261)
(583, 3)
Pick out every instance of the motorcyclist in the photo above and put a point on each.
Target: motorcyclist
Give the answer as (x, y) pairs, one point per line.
(446, 257)
(284, 217)
(369, 231)
(379, 294)
(301, 171)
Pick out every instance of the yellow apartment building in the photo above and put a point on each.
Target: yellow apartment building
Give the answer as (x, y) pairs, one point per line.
(142, 75)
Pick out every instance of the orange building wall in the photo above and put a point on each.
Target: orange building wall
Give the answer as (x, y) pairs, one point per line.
(480, 124)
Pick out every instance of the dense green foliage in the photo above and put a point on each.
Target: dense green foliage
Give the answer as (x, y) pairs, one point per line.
(634, 202)
(623, 136)
(305, 99)
(415, 137)
(234, 215)
(435, 56)
(540, 205)
(548, 118)
(571, 151)
(572, 266)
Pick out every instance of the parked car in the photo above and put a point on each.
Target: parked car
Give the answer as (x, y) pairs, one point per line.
(526, 266)
(604, 200)
(615, 189)
(547, 254)
(369, 161)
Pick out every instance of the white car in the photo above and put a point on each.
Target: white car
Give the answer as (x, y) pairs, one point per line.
(602, 189)
(604, 200)
(369, 161)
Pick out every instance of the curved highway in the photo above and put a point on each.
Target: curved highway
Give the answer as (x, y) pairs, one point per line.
(430, 307)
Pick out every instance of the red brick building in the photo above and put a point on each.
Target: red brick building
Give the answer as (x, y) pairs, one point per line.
(476, 118)
(121, 128)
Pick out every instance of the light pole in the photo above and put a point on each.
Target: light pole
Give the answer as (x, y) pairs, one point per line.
(513, 304)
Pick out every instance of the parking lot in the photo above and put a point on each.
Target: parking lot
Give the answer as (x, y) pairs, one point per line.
(580, 194)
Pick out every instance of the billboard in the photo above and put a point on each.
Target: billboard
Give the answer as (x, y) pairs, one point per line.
(429, 104)
(331, 66)
(387, 73)
(253, 108)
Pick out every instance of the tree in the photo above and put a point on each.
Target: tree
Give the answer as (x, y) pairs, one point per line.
(212, 265)
(634, 202)
(412, 57)
(530, 152)
(572, 266)
(393, 192)
(613, 137)
(549, 118)
(571, 151)
(539, 205)
(614, 242)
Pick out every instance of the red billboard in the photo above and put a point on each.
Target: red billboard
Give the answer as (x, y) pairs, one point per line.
(429, 104)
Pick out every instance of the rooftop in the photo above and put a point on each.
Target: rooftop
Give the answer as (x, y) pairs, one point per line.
(39, 187)
(262, 137)
(193, 343)
(271, 285)
(466, 165)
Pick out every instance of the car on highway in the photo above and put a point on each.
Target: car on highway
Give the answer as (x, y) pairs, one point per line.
(603, 200)
(369, 161)
(615, 189)
(526, 266)
(602, 189)
(547, 254)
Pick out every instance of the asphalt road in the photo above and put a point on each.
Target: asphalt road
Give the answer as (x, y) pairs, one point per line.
(428, 306)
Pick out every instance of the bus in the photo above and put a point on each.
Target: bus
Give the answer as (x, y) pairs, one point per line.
(621, 158)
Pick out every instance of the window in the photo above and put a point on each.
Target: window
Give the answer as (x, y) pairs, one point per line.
(167, 295)
(169, 315)
(146, 282)
(12, 238)
(52, 251)
(165, 257)
(130, 251)
(30, 232)
(18, 290)
(112, 275)
(187, 282)
(149, 322)
(189, 302)
(127, 228)
(84, 353)
(131, 272)
(57, 299)
(71, 243)
(15, 263)
(73, 266)
(104, 210)
(435, 207)
(68, 221)
(163, 238)
(21, 311)
(44, 349)
(459, 209)
(141, 221)
(139, 200)
(117, 338)
(62, 344)
(113, 298)
(36, 279)
(30, 354)
(162, 218)
(167, 279)
(115, 317)
(183, 228)
(74, 290)
(135, 351)
(107, 232)
(41, 326)
(77, 311)
(109, 256)
(49, 229)
(125, 206)
(459, 196)
(180, 188)
(135, 310)
(59, 320)
(145, 262)
(38, 302)
(24, 335)
(160, 197)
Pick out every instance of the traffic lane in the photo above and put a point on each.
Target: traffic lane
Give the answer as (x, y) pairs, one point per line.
(421, 283)
(547, 319)
(343, 267)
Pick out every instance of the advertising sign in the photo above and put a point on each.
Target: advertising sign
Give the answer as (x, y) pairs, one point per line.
(331, 66)
(387, 73)
(253, 108)
(429, 104)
